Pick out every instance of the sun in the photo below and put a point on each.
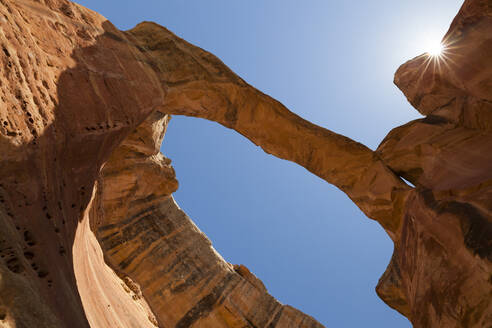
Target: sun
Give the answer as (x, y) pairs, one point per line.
(435, 49)
(433, 45)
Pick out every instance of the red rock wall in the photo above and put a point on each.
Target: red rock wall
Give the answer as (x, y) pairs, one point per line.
(92, 236)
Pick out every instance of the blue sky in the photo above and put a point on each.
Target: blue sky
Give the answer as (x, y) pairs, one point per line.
(331, 62)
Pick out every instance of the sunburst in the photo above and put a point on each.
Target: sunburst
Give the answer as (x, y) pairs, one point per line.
(435, 49)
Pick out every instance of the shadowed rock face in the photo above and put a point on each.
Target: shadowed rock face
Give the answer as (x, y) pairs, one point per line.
(91, 235)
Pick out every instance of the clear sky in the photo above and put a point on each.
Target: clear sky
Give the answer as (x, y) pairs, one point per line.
(331, 62)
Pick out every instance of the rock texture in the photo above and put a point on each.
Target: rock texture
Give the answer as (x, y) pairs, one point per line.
(92, 236)
(441, 271)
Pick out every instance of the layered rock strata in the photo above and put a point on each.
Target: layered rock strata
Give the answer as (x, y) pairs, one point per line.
(93, 237)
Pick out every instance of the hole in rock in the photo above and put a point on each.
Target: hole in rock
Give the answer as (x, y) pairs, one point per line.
(14, 265)
(407, 182)
(298, 234)
(29, 238)
(42, 273)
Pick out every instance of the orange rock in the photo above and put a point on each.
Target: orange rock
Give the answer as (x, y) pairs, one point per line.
(91, 235)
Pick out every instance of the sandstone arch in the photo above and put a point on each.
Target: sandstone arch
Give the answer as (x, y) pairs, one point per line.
(85, 110)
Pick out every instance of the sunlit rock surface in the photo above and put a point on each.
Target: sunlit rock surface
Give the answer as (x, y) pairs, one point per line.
(441, 271)
(91, 235)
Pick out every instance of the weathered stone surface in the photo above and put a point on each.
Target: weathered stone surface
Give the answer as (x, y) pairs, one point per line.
(441, 271)
(92, 236)
(146, 236)
(75, 98)
(70, 91)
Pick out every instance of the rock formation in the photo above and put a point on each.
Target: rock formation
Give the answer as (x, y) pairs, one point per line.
(91, 235)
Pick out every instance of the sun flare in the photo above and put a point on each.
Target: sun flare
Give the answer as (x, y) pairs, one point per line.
(435, 49)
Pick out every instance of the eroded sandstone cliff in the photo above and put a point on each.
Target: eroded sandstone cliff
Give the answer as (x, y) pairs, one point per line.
(92, 236)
